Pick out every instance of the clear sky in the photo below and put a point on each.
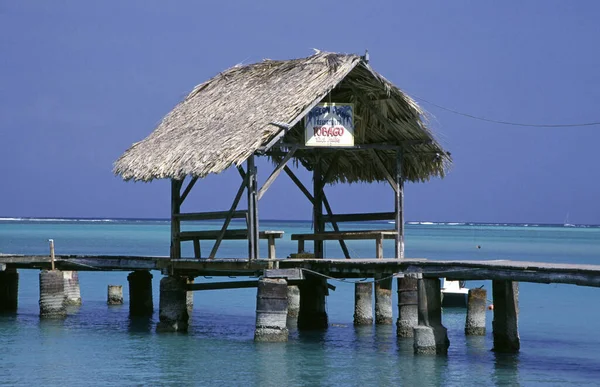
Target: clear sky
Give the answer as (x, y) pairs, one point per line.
(80, 81)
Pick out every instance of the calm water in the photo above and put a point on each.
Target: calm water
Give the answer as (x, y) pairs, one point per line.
(100, 345)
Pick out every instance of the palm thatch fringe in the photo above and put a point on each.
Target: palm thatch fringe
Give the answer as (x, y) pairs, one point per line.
(228, 118)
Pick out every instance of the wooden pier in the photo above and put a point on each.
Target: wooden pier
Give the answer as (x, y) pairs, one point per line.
(418, 288)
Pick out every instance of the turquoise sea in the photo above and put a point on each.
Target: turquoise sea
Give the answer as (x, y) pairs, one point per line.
(99, 345)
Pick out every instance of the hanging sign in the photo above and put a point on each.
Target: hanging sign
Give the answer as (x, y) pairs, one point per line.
(330, 124)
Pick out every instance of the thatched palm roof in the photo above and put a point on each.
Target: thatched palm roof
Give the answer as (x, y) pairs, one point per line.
(228, 118)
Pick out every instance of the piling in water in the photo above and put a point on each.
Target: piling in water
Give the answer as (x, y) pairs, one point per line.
(363, 303)
(189, 300)
(475, 323)
(408, 315)
(72, 290)
(312, 314)
(506, 313)
(293, 297)
(140, 293)
(115, 295)
(52, 294)
(430, 336)
(173, 313)
(9, 290)
(383, 299)
(271, 310)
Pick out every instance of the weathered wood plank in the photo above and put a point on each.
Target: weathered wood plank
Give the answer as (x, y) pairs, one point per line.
(360, 217)
(334, 236)
(229, 234)
(213, 215)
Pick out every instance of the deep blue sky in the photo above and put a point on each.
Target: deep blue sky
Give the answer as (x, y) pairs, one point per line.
(80, 81)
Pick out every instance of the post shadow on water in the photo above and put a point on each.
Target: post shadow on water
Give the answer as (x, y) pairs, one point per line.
(140, 324)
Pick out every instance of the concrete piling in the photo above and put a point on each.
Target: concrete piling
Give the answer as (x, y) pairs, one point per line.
(383, 299)
(271, 310)
(173, 314)
(363, 303)
(506, 313)
(189, 299)
(293, 297)
(312, 314)
(140, 293)
(72, 290)
(475, 323)
(9, 290)
(115, 295)
(408, 315)
(430, 336)
(52, 294)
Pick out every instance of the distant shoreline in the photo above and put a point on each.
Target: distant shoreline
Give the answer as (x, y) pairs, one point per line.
(166, 220)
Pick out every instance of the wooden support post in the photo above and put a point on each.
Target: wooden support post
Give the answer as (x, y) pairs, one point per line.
(506, 314)
(187, 189)
(318, 225)
(271, 241)
(197, 251)
(175, 222)
(252, 209)
(313, 314)
(9, 290)
(140, 294)
(399, 206)
(379, 247)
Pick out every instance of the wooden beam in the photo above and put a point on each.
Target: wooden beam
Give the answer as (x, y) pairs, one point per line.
(175, 226)
(399, 206)
(188, 189)
(252, 208)
(402, 144)
(276, 172)
(234, 205)
(214, 215)
(318, 224)
(383, 169)
(299, 184)
(363, 217)
(223, 285)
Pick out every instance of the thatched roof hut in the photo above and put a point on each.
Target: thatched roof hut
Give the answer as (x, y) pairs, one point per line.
(244, 110)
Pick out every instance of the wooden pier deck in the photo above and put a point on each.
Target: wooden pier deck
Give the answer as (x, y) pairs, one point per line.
(521, 271)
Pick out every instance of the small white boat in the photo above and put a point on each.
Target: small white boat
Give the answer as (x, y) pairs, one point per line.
(454, 294)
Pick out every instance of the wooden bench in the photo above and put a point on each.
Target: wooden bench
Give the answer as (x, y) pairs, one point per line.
(377, 235)
(197, 236)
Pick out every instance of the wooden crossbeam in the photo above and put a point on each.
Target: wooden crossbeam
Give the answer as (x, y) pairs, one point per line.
(383, 169)
(335, 226)
(188, 189)
(299, 184)
(276, 172)
(234, 205)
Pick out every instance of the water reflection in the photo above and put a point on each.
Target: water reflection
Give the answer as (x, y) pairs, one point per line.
(506, 369)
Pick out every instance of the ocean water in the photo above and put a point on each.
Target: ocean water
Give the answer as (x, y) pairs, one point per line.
(100, 345)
